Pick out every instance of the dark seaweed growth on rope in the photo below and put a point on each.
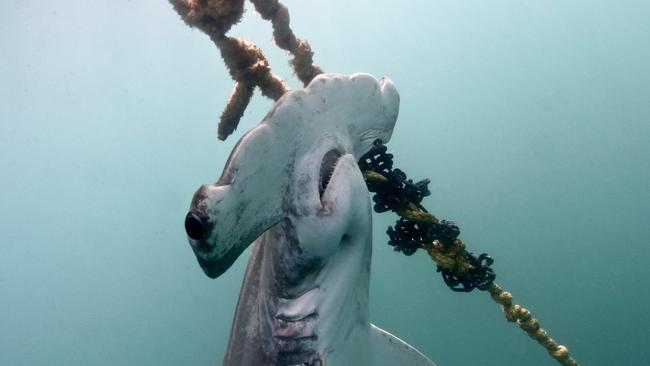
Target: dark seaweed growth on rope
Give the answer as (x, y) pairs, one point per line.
(416, 228)
(395, 191)
(481, 277)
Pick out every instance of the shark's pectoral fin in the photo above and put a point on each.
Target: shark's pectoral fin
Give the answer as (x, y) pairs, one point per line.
(389, 350)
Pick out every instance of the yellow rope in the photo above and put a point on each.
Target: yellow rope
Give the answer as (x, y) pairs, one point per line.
(451, 257)
(524, 318)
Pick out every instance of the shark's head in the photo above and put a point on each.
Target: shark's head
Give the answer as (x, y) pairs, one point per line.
(283, 167)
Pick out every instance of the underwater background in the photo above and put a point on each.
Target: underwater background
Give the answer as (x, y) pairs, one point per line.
(532, 119)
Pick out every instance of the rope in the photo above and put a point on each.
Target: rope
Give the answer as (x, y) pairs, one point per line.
(246, 63)
(278, 14)
(524, 318)
(417, 228)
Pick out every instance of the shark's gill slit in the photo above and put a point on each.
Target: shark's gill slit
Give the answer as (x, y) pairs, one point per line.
(327, 168)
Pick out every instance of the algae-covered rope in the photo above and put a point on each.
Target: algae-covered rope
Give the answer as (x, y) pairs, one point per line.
(418, 229)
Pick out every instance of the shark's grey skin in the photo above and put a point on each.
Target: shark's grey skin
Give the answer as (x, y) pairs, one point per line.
(293, 184)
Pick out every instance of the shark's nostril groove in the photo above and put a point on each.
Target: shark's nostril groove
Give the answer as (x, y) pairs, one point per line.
(195, 226)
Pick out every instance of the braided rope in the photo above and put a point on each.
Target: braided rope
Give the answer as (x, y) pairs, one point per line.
(278, 14)
(524, 318)
(451, 256)
(246, 63)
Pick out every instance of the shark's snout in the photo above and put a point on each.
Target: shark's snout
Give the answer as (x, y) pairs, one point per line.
(220, 224)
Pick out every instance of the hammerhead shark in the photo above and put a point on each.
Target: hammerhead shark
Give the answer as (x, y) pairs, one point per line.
(293, 187)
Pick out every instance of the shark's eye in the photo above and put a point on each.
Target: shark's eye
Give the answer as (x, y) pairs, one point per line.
(327, 168)
(195, 226)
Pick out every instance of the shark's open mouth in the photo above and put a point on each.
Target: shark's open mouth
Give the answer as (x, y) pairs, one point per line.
(330, 160)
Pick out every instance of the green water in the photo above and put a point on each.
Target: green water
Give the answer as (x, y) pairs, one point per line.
(531, 118)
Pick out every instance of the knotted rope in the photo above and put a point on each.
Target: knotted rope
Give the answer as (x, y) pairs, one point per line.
(246, 63)
(419, 229)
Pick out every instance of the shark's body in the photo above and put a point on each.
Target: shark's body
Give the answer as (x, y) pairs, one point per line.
(294, 179)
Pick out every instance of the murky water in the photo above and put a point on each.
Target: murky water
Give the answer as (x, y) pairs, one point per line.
(531, 119)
